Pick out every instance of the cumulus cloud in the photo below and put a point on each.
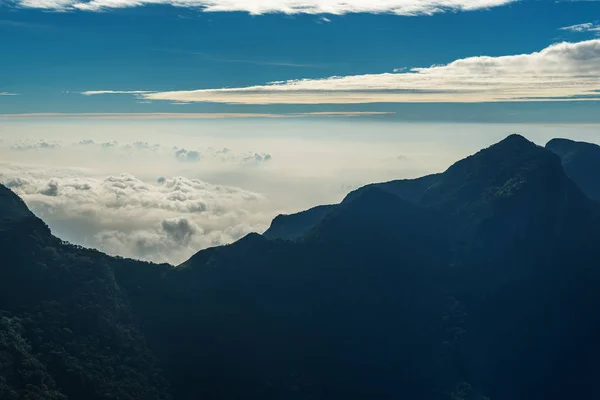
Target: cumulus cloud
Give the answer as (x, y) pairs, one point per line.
(165, 209)
(399, 7)
(167, 220)
(109, 144)
(561, 71)
(186, 156)
(587, 27)
(139, 145)
(256, 158)
(25, 145)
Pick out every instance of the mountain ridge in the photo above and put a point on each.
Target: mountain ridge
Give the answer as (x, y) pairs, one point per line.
(581, 161)
(485, 274)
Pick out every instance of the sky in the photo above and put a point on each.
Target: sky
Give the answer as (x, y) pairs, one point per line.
(156, 128)
(446, 60)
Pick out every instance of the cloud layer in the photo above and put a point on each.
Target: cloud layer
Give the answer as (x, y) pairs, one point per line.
(165, 221)
(561, 71)
(165, 218)
(399, 7)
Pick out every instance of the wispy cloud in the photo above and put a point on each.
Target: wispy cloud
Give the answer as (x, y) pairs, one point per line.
(23, 24)
(399, 7)
(345, 114)
(563, 70)
(211, 57)
(129, 116)
(8, 94)
(99, 92)
(581, 28)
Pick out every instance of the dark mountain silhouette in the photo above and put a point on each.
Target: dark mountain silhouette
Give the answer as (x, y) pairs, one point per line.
(66, 328)
(294, 226)
(581, 162)
(476, 290)
(477, 283)
(11, 206)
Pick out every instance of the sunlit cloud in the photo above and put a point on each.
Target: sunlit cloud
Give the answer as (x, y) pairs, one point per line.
(587, 27)
(563, 71)
(165, 221)
(256, 7)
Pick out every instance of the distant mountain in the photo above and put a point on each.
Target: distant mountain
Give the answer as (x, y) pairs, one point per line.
(581, 162)
(294, 226)
(480, 283)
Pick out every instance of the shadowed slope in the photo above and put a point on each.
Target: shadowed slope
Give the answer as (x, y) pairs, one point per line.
(581, 162)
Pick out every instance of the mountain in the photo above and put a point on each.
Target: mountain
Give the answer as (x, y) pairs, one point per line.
(11, 206)
(294, 226)
(66, 326)
(489, 276)
(581, 162)
(480, 283)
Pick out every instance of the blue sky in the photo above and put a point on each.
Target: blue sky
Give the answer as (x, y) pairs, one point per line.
(184, 56)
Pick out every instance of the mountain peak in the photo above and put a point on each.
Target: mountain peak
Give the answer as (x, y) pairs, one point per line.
(508, 191)
(516, 138)
(514, 159)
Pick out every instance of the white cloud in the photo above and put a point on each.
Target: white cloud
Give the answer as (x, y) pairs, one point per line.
(156, 214)
(562, 70)
(166, 221)
(399, 7)
(186, 156)
(109, 144)
(86, 142)
(587, 27)
(8, 94)
(140, 145)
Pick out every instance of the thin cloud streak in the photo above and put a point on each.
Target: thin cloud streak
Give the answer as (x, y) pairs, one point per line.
(142, 116)
(210, 57)
(100, 92)
(24, 25)
(580, 28)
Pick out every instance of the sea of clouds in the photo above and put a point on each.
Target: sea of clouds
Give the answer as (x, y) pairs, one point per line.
(162, 192)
